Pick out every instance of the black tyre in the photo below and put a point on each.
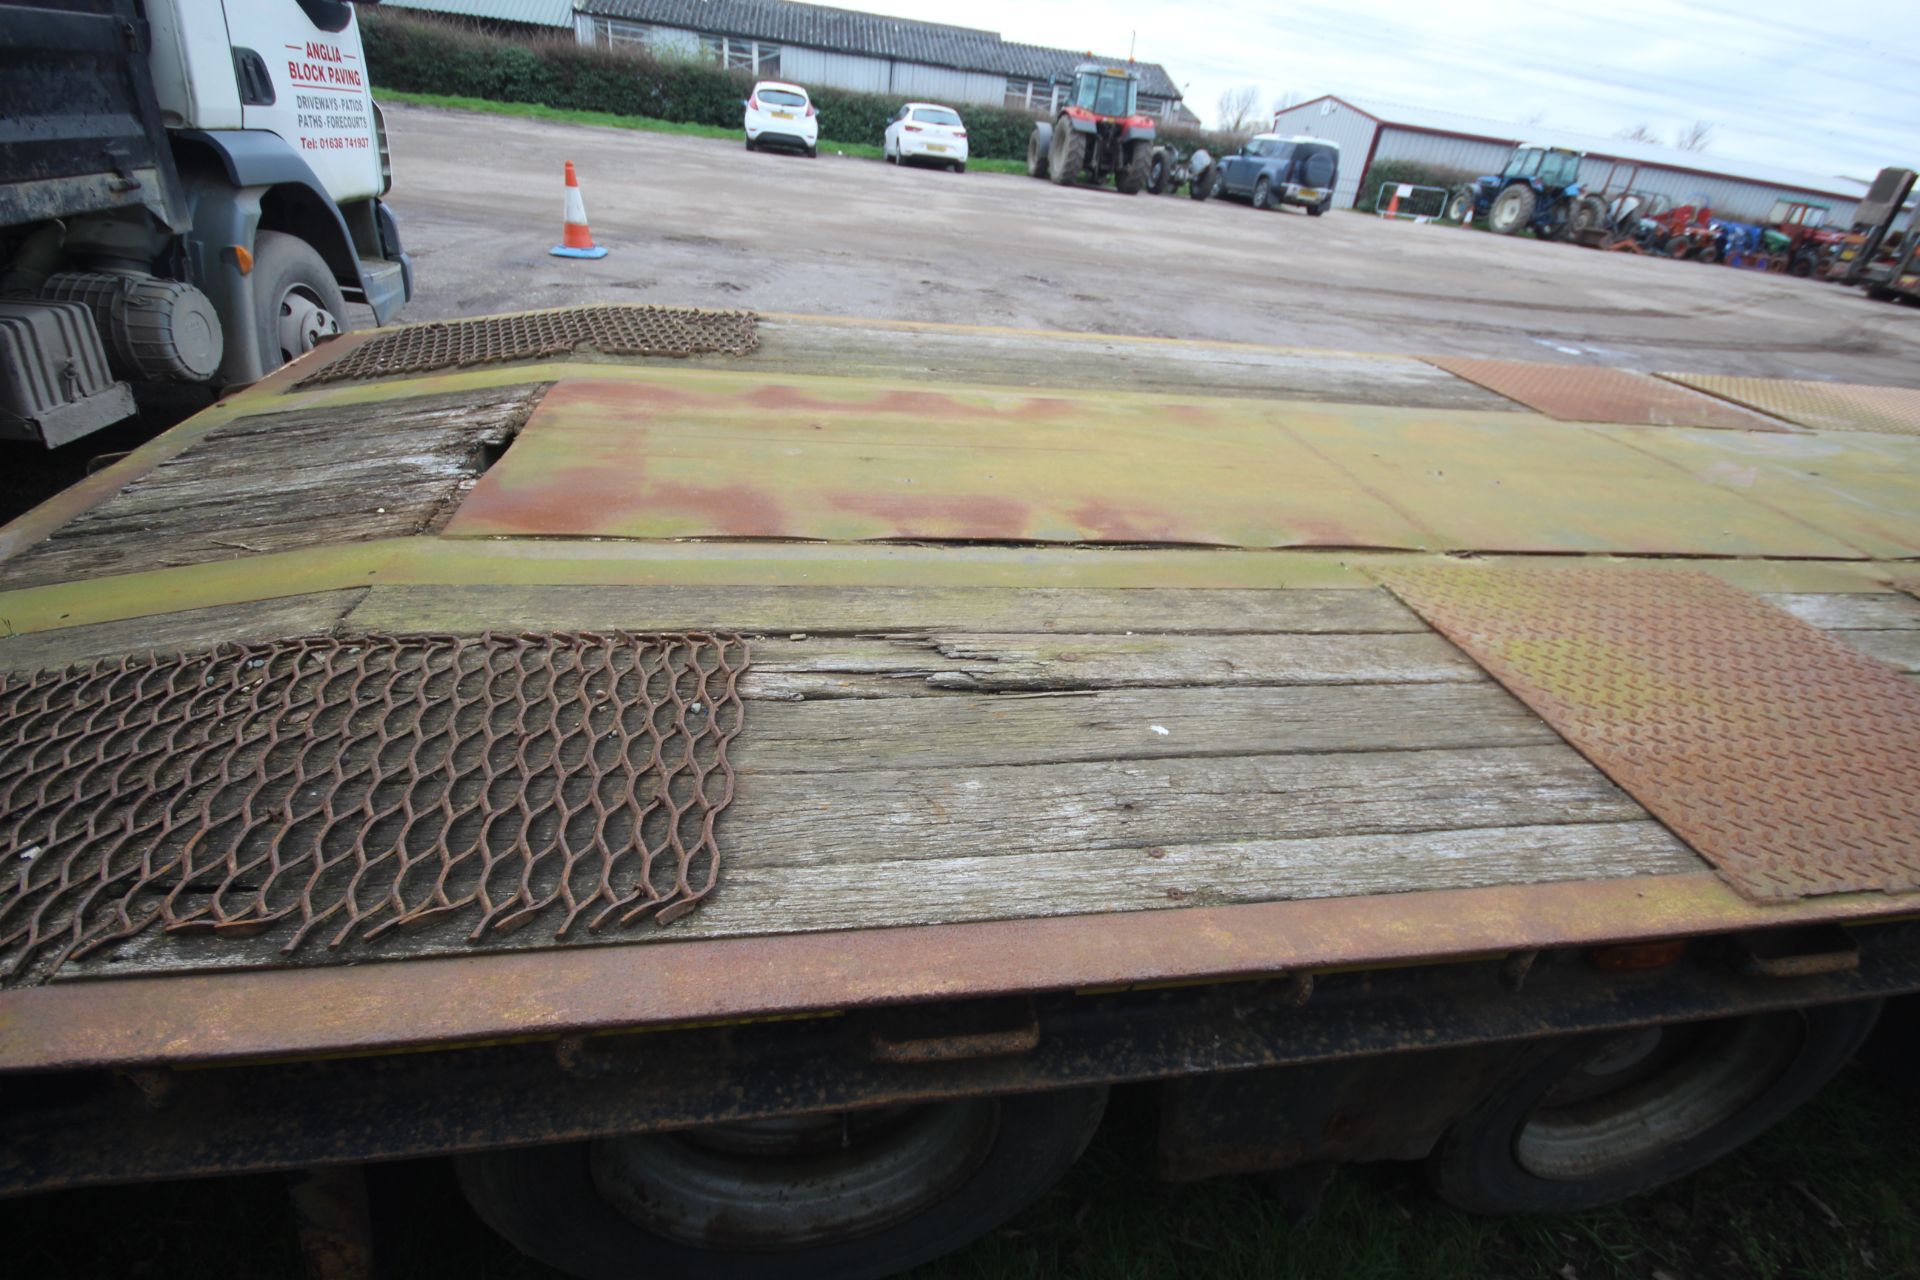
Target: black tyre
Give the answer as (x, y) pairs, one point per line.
(1589, 213)
(813, 153)
(296, 301)
(1263, 193)
(1512, 210)
(860, 1195)
(1460, 203)
(1205, 184)
(1069, 157)
(1134, 174)
(959, 166)
(1039, 150)
(1802, 265)
(1157, 173)
(1709, 253)
(1601, 1118)
(749, 144)
(1319, 210)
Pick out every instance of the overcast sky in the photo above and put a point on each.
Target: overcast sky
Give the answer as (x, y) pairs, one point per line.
(1781, 81)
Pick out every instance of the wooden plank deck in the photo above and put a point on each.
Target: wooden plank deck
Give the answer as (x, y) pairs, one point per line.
(933, 756)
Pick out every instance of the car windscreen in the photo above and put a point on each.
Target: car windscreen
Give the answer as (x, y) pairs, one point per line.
(781, 98)
(937, 115)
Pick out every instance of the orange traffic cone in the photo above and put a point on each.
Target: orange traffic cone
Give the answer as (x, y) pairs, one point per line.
(576, 241)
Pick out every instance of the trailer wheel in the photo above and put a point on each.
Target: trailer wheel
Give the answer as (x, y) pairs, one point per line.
(1512, 210)
(296, 301)
(1069, 156)
(850, 1195)
(1601, 1118)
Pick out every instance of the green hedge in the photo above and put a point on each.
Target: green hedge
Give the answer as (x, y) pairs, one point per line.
(1409, 171)
(424, 55)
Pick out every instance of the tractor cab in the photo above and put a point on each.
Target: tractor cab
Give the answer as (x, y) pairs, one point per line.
(1549, 167)
(1105, 92)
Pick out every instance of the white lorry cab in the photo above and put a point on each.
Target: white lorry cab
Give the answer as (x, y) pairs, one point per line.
(190, 192)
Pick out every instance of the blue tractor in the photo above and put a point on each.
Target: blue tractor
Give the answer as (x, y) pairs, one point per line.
(1539, 188)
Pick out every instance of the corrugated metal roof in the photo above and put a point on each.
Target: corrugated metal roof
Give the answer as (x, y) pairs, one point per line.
(871, 34)
(544, 13)
(1400, 115)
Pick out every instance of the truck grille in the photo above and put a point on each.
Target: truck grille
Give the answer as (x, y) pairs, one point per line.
(331, 791)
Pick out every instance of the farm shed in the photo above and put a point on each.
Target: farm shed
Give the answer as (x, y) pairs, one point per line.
(1369, 131)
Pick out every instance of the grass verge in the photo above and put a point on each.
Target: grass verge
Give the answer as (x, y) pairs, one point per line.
(644, 124)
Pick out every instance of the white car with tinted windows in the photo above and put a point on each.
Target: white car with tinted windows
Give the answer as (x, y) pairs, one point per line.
(927, 131)
(782, 115)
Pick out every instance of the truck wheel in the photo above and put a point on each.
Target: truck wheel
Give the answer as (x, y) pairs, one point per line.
(1134, 174)
(1263, 193)
(296, 301)
(850, 1195)
(1069, 156)
(1512, 210)
(1605, 1117)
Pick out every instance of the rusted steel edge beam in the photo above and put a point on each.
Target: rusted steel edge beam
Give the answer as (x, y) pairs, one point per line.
(468, 999)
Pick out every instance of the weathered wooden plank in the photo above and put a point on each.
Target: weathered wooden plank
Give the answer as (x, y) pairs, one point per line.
(855, 610)
(902, 666)
(889, 814)
(285, 480)
(311, 614)
(1896, 648)
(1843, 611)
(760, 899)
(784, 899)
(961, 730)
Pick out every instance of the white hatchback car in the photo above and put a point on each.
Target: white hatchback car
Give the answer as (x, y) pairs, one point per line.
(782, 115)
(927, 131)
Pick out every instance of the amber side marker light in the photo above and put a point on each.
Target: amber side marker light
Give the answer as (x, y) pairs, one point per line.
(1638, 955)
(243, 258)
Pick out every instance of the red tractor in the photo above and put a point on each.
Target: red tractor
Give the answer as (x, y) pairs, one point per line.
(1814, 244)
(1097, 134)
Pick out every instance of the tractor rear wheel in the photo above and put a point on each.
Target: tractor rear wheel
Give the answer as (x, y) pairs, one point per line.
(1069, 157)
(1460, 204)
(1512, 210)
(1135, 174)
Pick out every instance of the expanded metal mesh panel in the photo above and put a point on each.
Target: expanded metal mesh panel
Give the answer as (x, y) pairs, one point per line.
(614, 330)
(323, 791)
(1819, 406)
(1579, 393)
(1787, 759)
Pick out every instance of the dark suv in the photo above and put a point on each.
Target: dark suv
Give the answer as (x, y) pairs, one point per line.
(1271, 171)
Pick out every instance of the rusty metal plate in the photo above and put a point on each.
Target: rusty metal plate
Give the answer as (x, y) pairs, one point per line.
(1820, 406)
(714, 454)
(1788, 760)
(1581, 393)
(326, 790)
(614, 330)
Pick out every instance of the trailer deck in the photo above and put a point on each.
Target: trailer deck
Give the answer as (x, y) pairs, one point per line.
(1072, 666)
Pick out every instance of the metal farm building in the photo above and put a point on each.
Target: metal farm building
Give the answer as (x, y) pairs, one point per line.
(1369, 132)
